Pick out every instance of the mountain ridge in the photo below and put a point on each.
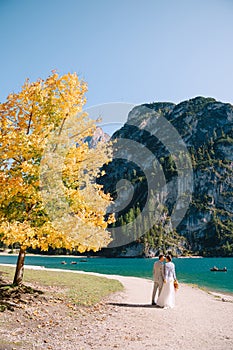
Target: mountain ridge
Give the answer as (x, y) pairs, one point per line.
(206, 127)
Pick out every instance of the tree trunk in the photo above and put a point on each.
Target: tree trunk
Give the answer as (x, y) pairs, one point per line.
(19, 268)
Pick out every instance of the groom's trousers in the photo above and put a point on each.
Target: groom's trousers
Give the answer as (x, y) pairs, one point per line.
(157, 286)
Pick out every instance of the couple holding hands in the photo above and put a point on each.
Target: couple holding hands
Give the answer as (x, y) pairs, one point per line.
(165, 282)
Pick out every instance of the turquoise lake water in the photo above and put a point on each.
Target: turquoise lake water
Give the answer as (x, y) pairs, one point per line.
(191, 270)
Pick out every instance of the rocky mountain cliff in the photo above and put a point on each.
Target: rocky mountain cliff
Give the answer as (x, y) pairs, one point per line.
(183, 166)
(98, 136)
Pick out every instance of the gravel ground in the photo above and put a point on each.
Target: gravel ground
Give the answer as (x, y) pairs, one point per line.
(125, 320)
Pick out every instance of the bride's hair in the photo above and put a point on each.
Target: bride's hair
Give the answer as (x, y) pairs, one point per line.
(168, 257)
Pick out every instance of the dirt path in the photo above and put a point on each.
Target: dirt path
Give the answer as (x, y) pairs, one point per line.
(125, 321)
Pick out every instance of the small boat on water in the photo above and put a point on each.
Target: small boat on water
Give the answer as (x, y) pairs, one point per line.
(63, 262)
(83, 260)
(73, 262)
(215, 268)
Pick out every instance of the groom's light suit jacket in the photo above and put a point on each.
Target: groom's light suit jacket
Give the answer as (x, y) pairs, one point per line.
(158, 273)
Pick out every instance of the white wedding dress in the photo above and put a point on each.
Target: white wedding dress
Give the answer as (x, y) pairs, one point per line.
(167, 296)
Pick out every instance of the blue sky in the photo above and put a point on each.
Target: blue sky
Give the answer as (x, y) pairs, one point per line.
(128, 51)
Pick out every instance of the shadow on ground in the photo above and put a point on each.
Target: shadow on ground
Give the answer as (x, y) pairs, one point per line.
(135, 305)
(12, 296)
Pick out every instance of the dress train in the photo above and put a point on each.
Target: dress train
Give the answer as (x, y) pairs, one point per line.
(167, 296)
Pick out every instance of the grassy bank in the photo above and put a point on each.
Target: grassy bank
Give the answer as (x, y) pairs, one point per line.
(80, 289)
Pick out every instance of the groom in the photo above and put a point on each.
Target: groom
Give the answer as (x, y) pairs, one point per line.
(158, 277)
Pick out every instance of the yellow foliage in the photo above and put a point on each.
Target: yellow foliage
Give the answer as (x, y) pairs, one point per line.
(48, 194)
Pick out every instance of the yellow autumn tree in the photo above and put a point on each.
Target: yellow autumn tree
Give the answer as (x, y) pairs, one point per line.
(48, 193)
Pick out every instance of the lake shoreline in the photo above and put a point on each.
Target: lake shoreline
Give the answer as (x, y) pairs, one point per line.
(213, 291)
(44, 255)
(102, 257)
(190, 271)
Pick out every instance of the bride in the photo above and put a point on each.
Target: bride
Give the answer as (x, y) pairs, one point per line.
(167, 296)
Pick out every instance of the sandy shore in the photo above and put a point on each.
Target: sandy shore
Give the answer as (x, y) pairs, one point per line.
(200, 320)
